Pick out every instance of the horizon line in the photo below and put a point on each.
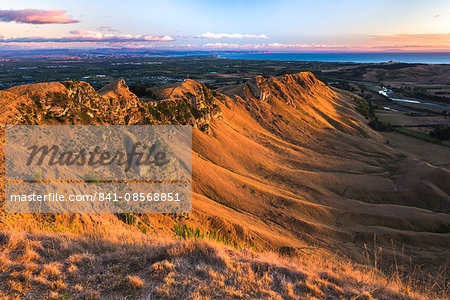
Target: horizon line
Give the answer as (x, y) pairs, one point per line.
(150, 49)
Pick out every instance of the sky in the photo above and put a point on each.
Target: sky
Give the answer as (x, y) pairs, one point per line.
(277, 26)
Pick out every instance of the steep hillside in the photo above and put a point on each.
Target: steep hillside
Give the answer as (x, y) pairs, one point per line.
(282, 164)
(295, 164)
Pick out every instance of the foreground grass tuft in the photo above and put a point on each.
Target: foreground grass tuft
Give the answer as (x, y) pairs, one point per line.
(67, 266)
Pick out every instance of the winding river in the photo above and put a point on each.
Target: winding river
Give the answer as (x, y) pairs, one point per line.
(391, 95)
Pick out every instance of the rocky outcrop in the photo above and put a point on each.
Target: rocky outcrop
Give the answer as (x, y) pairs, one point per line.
(190, 103)
(258, 88)
(124, 105)
(72, 102)
(76, 102)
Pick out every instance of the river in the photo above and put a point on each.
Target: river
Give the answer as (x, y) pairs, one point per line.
(391, 95)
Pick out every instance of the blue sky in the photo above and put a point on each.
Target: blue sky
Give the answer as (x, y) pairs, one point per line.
(340, 25)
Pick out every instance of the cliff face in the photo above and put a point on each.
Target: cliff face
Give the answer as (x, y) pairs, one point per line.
(124, 105)
(75, 102)
(189, 103)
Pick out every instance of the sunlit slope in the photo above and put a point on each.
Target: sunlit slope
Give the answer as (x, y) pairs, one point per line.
(278, 163)
(293, 162)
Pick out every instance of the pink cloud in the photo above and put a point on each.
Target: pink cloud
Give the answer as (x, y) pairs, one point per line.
(280, 47)
(222, 45)
(96, 36)
(276, 46)
(426, 41)
(83, 36)
(210, 35)
(36, 16)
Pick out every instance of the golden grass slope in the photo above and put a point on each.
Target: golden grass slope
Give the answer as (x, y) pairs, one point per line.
(305, 166)
(55, 266)
(280, 164)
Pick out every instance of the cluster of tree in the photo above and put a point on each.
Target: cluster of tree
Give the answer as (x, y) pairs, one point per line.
(441, 132)
(367, 109)
(421, 93)
(344, 85)
(377, 125)
(381, 75)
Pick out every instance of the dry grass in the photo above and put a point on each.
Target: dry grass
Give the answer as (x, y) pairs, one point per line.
(134, 282)
(286, 193)
(70, 266)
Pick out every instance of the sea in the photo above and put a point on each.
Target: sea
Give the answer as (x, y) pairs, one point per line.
(360, 57)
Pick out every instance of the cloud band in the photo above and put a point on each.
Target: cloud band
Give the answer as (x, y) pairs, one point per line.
(36, 16)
